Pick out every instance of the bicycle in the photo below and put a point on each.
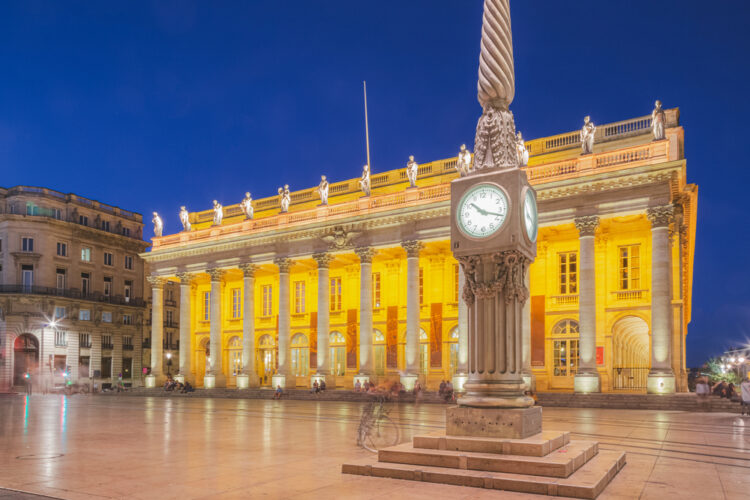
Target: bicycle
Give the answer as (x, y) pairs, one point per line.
(376, 429)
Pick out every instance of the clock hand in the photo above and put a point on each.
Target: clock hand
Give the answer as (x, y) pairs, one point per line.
(493, 213)
(483, 212)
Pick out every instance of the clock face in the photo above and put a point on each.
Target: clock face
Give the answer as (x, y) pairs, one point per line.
(482, 210)
(530, 216)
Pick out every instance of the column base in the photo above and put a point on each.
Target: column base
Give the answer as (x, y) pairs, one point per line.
(512, 423)
(458, 381)
(278, 380)
(214, 381)
(150, 381)
(586, 383)
(660, 383)
(248, 380)
(180, 378)
(529, 381)
(361, 378)
(408, 381)
(329, 379)
(495, 394)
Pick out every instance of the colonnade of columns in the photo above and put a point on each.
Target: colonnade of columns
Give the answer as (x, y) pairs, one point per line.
(248, 378)
(661, 377)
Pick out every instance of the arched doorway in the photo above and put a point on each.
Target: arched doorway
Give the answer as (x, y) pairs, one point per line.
(300, 355)
(267, 359)
(379, 349)
(630, 350)
(25, 357)
(234, 359)
(452, 343)
(565, 356)
(337, 345)
(202, 353)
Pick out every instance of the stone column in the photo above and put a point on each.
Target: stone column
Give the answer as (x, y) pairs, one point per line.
(528, 375)
(366, 353)
(412, 313)
(324, 363)
(249, 376)
(156, 377)
(186, 352)
(284, 377)
(71, 358)
(215, 377)
(587, 378)
(459, 379)
(661, 377)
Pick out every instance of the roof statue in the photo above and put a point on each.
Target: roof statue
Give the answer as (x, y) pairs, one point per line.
(523, 153)
(285, 198)
(322, 190)
(412, 169)
(158, 225)
(247, 206)
(658, 118)
(463, 165)
(587, 136)
(364, 182)
(218, 213)
(185, 219)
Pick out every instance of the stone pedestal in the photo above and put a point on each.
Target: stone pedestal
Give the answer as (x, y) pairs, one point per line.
(512, 423)
(587, 383)
(279, 380)
(408, 381)
(150, 381)
(660, 383)
(248, 380)
(459, 379)
(180, 378)
(209, 381)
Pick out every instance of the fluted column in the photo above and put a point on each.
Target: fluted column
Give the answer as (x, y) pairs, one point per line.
(365, 314)
(528, 376)
(412, 312)
(215, 377)
(324, 363)
(186, 353)
(284, 376)
(661, 377)
(463, 335)
(156, 377)
(249, 376)
(587, 378)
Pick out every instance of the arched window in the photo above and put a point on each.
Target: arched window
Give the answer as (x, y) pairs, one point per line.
(235, 355)
(300, 355)
(453, 350)
(424, 352)
(379, 348)
(266, 341)
(338, 353)
(565, 348)
(267, 355)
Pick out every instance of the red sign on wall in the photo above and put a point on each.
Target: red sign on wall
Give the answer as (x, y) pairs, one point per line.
(600, 355)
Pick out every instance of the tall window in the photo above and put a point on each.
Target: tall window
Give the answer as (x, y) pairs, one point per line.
(61, 279)
(107, 286)
(107, 259)
(27, 244)
(456, 291)
(335, 294)
(126, 231)
(236, 303)
(128, 262)
(59, 312)
(376, 290)
(27, 275)
(128, 290)
(61, 339)
(630, 267)
(84, 314)
(105, 225)
(83, 220)
(337, 345)
(267, 300)
(565, 349)
(299, 297)
(127, 319)
(568, 272)
(86, 254)
(421, 286)
(169, 318)
(206, 306)
(235, 355)
(84, 340)
(62, 249)
(300, 355)
(85, 283)
(106, 317)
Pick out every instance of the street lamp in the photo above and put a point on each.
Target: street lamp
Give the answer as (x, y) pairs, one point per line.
(169, 363)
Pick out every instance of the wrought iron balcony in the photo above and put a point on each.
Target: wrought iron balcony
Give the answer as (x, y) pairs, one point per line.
(72, 293)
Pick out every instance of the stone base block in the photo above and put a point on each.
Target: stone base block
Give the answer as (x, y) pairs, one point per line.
(539, 445)
(179, 378)
(514, 423)
(209, 382)
(408, 381)
(660, 383)
(587, 383)
(150, 381)
(278, 380)
(329, 379)
(458, 382)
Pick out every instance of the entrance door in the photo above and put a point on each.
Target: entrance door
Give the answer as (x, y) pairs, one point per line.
(266, 359)
(25, 358)
(234, 356)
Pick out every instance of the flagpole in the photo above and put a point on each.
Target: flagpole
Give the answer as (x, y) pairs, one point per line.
(367, 127)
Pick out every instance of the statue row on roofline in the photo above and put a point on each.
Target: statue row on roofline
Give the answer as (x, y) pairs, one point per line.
(463, 166)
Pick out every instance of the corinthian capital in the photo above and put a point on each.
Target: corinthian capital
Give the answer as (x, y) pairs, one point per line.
(156, 281)
(661, 216)
(412, 247)
(323, 259)
(283, 263)
(365, 254)
(586, 225)
(216, 274)
(186, 278)
(248, 270)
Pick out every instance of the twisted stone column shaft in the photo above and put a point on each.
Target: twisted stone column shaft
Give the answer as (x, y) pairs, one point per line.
(496, 84)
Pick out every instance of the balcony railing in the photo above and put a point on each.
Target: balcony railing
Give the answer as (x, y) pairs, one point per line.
(146, 344)
(127, 347)
(173, 346)
(170, 303)
(629, 294)
(107, 346)
(565, 300)
(72, 293)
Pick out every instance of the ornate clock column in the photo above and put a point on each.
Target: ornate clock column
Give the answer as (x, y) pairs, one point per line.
(493, 236)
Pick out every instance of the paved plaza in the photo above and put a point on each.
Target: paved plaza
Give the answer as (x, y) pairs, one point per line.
(132, 447)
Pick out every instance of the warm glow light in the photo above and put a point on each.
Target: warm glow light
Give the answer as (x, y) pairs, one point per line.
(169, 355)
(741, 360)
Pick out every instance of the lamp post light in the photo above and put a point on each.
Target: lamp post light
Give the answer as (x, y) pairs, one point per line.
(169, 364)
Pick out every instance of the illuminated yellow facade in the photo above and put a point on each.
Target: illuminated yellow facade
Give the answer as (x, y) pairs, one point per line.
(264, 278)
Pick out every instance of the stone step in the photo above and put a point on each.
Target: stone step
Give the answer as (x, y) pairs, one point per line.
(535, 446)
(560, 463)
(587, 482)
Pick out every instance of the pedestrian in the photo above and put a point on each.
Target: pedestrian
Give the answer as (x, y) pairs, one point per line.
(322, 385)
(441, 390)
(278, 393)
(745, 395)
(27, 379)
(357, 386)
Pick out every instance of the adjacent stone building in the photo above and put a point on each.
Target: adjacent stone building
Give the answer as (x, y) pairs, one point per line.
(71, 289)
(366, 285)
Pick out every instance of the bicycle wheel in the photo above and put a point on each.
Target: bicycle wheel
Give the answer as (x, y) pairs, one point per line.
(383, 433)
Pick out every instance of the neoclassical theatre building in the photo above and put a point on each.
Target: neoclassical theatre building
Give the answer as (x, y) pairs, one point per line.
(366, 286)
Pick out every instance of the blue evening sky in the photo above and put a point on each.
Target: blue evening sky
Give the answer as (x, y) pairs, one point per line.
(151, 105)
